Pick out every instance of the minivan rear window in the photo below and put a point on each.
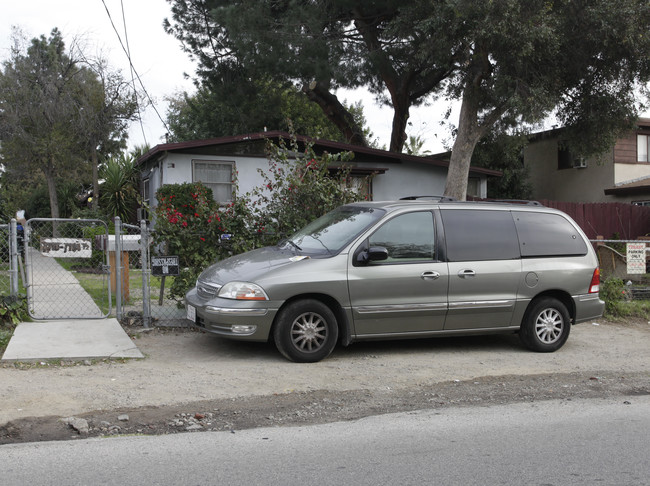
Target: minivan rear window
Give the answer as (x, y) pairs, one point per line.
(473, 235)
(546, 234)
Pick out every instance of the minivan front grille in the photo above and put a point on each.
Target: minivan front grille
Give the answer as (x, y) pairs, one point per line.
(207, 291)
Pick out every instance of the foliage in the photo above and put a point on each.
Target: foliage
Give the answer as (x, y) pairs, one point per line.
(618, 304)
(119, 190)
(189, 224)
(509, 62)
(297, 191)
(217, 111)
(57, 109)
(13, 310)
(504, 152)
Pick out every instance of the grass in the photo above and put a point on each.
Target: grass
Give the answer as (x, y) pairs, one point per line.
(96, 285)
(623, 309)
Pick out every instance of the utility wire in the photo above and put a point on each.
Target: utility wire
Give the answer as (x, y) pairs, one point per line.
(128, 49)
(133, 67)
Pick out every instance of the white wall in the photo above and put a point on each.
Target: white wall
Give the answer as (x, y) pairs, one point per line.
(400, 180)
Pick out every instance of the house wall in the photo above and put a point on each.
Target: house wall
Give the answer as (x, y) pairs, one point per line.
(408, 179)
(174, 168)
(400, 180)
(570, 185)
(627, 168)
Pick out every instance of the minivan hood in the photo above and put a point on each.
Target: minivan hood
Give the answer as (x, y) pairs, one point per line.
(249, 266)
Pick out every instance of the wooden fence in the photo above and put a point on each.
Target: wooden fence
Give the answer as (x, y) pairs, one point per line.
(620, 220)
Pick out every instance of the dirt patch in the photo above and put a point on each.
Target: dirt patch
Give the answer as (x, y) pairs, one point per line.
(303, 408)
(193, 381)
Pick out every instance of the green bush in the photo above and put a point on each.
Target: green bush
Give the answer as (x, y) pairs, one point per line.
(13, 309)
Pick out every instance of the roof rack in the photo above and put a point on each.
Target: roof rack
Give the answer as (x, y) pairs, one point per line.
(434, 198)
(517, 201)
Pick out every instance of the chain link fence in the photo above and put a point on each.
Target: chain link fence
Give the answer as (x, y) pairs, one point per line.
(144, 297)
(66, 269)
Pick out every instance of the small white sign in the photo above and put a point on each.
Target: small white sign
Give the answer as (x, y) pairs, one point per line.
(191, 313)
(636, 258)
(66, 247)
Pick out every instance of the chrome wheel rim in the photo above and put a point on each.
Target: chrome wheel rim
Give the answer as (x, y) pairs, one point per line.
(549, 326)
(309, 332)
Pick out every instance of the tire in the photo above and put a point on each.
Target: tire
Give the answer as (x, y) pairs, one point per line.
(546, 325)
(306, 331)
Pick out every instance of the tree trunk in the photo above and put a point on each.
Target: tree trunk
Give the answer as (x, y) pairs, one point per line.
(468, 135)
(400, 119)
(48, 171)
(95, 163)
(336, 113)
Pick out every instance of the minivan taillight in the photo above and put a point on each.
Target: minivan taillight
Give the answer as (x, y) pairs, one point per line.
(594, 286)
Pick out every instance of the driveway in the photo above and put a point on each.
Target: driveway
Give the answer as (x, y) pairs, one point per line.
(187, 374)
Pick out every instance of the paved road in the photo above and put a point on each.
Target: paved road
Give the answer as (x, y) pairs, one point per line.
(575, 442)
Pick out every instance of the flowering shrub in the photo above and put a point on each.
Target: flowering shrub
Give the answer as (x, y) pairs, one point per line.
(296, 191)
(189, 223)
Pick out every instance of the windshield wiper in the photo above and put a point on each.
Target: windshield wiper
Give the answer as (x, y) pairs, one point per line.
(287, 240)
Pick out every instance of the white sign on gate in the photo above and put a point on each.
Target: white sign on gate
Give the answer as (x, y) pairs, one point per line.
(636, 258)
(66, 247)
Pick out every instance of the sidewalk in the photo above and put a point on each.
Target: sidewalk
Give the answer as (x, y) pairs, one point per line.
(82, 333)
(56, 293)
(70, 339)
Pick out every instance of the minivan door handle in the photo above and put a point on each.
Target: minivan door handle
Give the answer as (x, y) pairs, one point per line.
(467, 273)
(430, 275)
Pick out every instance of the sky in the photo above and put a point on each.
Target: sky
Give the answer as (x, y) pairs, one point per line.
(160, 62)
(162, 65)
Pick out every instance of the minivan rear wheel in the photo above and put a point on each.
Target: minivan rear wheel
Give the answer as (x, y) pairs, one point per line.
(546, 325)
(306, 331)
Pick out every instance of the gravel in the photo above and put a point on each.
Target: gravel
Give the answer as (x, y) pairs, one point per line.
(192, 382)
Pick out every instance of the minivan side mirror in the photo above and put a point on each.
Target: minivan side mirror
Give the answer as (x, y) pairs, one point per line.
(373, 254)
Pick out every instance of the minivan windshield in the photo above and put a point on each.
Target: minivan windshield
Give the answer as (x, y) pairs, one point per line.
(330, 233)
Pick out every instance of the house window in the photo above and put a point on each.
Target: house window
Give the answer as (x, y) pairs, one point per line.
(217, 175)
(641, 203)
(642, 148)
(359, 183)
(564, 157)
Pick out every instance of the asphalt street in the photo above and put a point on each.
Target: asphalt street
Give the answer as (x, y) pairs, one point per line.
(557, 442)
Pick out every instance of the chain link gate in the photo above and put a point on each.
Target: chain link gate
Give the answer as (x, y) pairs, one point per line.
(66, 260)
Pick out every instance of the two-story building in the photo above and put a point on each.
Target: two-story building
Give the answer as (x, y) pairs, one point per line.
(621, 174)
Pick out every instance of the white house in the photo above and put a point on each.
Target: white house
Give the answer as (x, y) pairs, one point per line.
(214, 162)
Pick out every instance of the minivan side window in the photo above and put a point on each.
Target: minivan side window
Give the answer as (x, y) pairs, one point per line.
(408, 237)
(544, 234)
(473, 235)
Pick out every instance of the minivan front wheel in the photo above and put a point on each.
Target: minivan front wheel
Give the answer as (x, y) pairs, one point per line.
(306, 331)
(546, 325)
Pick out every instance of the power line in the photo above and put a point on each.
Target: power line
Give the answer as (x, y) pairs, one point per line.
(128, 48)
(128, 55)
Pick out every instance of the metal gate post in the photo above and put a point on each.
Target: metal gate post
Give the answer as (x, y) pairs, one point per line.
(13, 263)
(118, 268)
(146, 272)
(28, 263)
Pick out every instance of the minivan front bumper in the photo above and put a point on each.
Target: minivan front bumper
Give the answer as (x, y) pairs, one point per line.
(250, 321)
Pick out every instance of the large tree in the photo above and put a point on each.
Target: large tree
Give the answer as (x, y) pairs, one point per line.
(210, 112)
(581, 60)
(56, 111)
(321, 46)
(508, 62)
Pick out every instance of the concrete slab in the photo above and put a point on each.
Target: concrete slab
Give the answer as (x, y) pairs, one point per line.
(70, 339)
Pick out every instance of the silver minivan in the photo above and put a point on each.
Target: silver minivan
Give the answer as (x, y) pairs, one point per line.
(406, 269)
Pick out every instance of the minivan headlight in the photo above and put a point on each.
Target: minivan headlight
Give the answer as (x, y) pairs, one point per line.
(242, 291)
